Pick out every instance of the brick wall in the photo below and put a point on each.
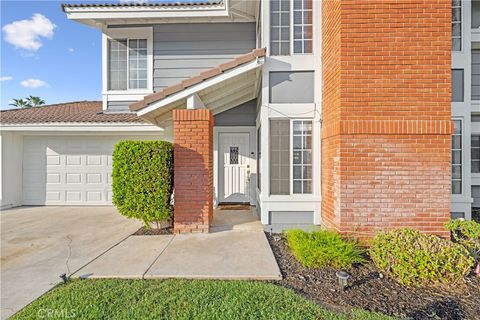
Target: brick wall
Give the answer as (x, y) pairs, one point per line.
(386, 115)
(193, 170)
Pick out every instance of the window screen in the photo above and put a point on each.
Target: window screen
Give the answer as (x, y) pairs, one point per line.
(302, 26)
(456, 25)
(457, 158)
(457, 85)
(118, 64)
(302, 156)
(457, 215)
(127, 64)
(279, 27)
(259, 158)
(279, 157)
(476, 153)
(475, 74)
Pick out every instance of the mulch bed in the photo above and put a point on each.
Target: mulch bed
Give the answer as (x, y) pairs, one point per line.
(153, 231)
(368, 291)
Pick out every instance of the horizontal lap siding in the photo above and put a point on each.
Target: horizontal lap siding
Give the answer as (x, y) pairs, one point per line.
(184, 50)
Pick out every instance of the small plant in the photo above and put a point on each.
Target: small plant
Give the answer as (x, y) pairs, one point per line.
(142, 180)
(417, 259)
(466, 233)
(324, 248)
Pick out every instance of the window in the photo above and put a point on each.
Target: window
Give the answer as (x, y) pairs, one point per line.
(281, 35)
(297, 157)
(302, 26)
(127, 64)
(280, 27)
(457, 85)
(457, 158)
(279, 157)
(475, 14)
(476, 154)
(456, 25)
(302, 157)
(291, 87)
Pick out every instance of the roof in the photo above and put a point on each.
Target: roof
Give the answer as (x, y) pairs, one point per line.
(205, 75)
(77, 112)
(142, 4)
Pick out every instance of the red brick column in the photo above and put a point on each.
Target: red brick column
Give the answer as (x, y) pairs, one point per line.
(193, 170)
(386, 115)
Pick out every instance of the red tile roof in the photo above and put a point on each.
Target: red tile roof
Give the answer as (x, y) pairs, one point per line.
(78, 112)
(248, 57)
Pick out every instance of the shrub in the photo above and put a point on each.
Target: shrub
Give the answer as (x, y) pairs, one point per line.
(467, 233)
(323, 248)
(417, 259)
(142, 180)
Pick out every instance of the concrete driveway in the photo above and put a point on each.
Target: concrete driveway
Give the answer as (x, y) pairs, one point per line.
(40, 243)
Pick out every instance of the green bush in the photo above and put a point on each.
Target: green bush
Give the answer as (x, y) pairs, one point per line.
(467, 233)
(142, 180)
(323, 248)
(417, 259)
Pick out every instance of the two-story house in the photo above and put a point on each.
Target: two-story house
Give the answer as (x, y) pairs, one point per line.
(334, 113)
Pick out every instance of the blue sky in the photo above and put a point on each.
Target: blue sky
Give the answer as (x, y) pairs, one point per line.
(66, 66)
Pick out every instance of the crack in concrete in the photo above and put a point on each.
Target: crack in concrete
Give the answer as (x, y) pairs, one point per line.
(155, 260)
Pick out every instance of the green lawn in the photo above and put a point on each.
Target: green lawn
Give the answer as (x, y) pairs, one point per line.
(177, 299)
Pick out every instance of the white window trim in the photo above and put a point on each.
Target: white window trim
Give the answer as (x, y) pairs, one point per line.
(292, 194)
(462, 163)
(127, 33)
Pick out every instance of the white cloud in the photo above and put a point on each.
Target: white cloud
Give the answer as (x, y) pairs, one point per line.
(71, 49)
(33, 83)
(27, 34)
(5, 78)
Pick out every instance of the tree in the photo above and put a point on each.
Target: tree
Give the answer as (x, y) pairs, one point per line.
(35, 101)
(20, 103)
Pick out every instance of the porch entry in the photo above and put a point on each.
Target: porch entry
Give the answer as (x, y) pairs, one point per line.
(234, 167)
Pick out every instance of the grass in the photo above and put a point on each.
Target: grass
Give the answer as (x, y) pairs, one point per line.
(178, 299)
(324, 248)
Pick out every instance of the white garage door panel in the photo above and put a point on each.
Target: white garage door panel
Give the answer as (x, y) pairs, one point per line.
(68, 170)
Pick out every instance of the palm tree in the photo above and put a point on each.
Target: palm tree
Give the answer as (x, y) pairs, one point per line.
(35, 101)
(20, 103)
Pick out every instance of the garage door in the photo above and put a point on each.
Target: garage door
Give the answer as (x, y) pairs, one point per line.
(68, 170)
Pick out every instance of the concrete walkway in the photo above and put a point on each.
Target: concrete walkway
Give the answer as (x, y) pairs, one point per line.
(40, 243)
(235, 249)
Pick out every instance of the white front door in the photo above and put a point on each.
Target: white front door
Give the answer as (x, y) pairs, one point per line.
(234, 167)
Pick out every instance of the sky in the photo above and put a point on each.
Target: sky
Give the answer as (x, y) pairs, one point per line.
(44, 54)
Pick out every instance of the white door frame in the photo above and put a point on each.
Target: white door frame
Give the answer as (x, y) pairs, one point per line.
(253, 159)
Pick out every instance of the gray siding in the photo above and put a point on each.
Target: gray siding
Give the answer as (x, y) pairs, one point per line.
(284, 220)
(291, 87)
(457, 85)
(116, 106)
(242, 115)
(476, 74)
(185, 50)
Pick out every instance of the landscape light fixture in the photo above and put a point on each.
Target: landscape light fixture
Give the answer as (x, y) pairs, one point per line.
(342, 278)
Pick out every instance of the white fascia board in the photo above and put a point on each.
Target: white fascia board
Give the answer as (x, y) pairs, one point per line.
(84, 127)
(106, 13)
(201, 86)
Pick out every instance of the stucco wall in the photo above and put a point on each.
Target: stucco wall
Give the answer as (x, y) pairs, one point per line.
(11, 169)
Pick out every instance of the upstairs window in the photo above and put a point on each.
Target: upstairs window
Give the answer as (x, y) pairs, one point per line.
(475, 153)
(127, 64)
(283, 38)
(302, 26)
(456, 25)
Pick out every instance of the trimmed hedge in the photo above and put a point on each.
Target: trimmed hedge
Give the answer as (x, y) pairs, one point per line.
(142, 180)
(324, 248)
(418, 259)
